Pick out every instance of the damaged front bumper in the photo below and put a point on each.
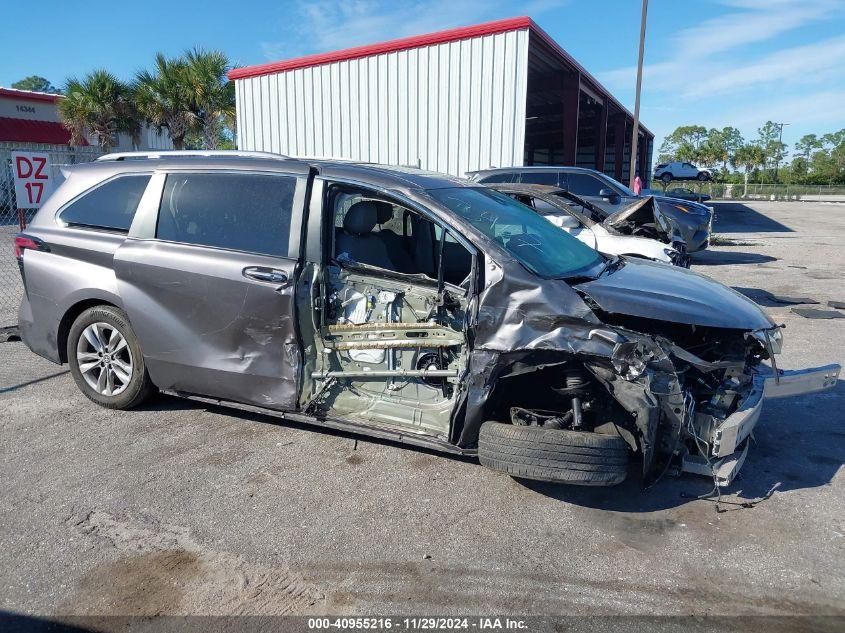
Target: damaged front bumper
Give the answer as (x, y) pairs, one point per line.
(728, 443)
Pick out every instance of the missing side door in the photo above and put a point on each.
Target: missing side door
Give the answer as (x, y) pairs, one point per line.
(390, 321)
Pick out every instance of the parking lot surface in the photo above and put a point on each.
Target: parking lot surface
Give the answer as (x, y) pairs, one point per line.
(183, 508)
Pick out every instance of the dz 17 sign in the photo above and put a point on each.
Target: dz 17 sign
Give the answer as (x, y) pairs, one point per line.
(33, 178)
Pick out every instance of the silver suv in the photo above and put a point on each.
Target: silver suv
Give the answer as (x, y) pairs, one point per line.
(397, 303)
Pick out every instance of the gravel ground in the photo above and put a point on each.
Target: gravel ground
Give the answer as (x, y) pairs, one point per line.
(181, 508)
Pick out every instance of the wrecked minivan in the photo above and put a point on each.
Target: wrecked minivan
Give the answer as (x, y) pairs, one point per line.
(396, 303)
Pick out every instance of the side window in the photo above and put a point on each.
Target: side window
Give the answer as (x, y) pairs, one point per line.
(539, 178)
(110, 206)
(244, 212)
(494, 178)
(584, 184)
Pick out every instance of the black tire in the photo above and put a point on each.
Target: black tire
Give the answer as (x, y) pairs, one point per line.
(666, 178)
(557, 455)
(703, 176)
(139, 387)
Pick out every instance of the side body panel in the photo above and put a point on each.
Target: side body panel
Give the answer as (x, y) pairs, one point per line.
(207, 329)
(78, 267)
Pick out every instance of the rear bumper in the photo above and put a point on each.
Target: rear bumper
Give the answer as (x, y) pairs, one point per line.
(728, 443)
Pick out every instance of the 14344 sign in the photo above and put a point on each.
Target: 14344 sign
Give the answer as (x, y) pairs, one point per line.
(33, 178)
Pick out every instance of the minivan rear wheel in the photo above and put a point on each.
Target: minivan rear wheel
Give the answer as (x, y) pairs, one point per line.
(559, 455)
(105, 359)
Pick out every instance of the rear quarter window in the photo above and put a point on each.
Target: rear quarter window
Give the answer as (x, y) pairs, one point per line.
(496, 178)
(110, 206)
(243, 212)
(539, 178)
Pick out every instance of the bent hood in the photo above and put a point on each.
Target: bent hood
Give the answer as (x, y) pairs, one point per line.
(656, 291)
(640, 212)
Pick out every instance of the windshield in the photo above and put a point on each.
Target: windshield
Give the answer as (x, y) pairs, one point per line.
(537, 244)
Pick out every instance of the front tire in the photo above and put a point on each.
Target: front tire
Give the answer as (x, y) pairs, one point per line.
(703, 176)
(105, 359)
(557, 455)
(666, 178)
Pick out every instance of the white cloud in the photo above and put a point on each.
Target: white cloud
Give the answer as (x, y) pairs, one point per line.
(758, 21)
(810, 64)
(326, 25)
(711, 48)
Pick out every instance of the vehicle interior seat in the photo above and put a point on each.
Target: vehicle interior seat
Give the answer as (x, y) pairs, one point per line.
(364, 246)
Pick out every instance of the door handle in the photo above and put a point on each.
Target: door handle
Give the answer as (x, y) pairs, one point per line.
(269, 275)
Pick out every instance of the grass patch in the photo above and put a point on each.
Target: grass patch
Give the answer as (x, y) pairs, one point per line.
(719, 240)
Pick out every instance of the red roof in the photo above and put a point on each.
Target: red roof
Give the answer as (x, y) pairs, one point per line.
(29, 95)
(439, 37)
(29, 131)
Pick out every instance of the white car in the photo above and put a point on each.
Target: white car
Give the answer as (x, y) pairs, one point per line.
(575, 216)
(667, 172)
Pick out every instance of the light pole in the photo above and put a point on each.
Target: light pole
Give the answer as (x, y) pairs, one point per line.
(635, 137)
(780, 142)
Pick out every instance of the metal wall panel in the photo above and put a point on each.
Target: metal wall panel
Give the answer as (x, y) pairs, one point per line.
(453, 107)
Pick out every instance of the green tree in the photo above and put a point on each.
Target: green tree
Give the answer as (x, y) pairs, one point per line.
(769, 141)
(36, 84)
(164, 98)
(807, 144)
(211, 94)
(730, 140)
(683, 144)
(99, 104)
(748, 157)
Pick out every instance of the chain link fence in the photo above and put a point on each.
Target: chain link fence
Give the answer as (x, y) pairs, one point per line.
(13, 220)
(753, 191)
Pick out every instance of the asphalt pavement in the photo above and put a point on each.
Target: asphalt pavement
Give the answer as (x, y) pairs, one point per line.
(181, 508)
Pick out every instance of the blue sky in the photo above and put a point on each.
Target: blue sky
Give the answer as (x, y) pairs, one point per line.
(713, 62)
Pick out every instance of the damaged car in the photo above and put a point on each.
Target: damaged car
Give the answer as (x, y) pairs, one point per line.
(396, 303)
(586, 222)
(662, 218)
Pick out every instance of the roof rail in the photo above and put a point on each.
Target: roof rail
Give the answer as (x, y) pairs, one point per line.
(199, 153)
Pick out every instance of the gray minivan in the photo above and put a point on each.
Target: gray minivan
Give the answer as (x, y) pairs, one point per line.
(397, 303)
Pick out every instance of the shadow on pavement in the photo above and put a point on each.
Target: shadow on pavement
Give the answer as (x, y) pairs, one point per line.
(33, 381)
(735, 217)
(725, 258)
(759, 296)
(165, 402)
(785, 456)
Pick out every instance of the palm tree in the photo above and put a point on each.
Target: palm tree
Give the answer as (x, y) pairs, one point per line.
(163, 98)
(99, 104)
(212, 96)
(748, 157)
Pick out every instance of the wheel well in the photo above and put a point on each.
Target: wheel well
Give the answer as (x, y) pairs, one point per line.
(67, 321)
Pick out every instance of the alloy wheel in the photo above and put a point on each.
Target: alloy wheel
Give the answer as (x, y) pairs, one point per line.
(104, 359)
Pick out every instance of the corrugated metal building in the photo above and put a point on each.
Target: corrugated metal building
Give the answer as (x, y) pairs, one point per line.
(491, 95)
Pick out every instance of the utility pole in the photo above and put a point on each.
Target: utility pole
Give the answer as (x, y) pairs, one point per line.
(635, 137)
(780, 142)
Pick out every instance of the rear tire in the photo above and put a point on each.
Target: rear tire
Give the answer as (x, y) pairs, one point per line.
(91, 357)
(557, 455)
(703, 177)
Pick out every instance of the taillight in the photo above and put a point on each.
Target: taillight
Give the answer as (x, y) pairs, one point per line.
(24, 242)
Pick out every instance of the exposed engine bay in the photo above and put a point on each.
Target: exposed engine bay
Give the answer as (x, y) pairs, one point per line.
(670, 403)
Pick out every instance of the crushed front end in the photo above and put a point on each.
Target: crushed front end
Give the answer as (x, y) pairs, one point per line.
(696, 393)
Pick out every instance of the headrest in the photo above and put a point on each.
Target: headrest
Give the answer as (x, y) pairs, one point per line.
(385, 212)
(361, 218)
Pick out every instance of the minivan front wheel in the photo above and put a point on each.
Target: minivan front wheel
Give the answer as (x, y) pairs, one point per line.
(558, 455)
(105, 359)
